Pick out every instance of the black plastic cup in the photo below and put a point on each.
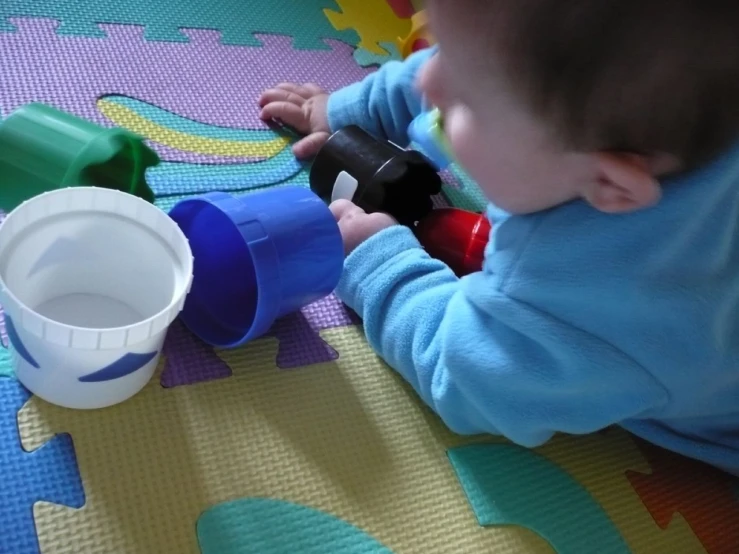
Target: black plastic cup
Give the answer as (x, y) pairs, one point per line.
(387, 178)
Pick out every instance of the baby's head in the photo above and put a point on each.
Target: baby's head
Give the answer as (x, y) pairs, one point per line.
(547, 101)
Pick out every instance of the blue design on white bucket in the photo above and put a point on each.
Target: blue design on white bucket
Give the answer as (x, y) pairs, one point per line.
(125, 365)
(18, 345)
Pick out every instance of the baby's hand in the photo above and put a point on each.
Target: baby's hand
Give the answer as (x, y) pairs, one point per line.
(302, 107)
(356, 225)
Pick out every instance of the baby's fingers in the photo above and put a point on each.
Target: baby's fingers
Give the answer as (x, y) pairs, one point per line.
(288, 113)
(280, 95)
(313, 89)
(307, 147)
(343, 209)
(306, 91)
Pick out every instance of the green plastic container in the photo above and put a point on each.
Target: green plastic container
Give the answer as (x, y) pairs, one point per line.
(43, 149)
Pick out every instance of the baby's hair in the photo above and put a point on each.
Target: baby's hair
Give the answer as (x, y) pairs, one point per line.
(644, 76)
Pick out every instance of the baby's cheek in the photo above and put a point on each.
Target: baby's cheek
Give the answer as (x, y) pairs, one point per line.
(470, 149)
(488, 163)
(471, 157)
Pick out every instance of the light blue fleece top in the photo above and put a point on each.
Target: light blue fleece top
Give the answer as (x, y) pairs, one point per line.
(579, 320)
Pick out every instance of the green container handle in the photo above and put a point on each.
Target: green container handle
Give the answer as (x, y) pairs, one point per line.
(43, 149)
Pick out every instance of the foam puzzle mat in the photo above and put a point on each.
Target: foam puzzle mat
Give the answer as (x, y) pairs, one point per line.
(303, 441)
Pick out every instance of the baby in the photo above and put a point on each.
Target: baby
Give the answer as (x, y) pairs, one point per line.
(605, 134)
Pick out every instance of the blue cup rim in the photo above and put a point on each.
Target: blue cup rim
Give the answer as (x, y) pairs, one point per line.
(264, 260)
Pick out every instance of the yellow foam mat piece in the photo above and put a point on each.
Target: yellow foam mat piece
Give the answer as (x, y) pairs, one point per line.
(348, 438)
(599, 462)
(374, 21)
(129, 119)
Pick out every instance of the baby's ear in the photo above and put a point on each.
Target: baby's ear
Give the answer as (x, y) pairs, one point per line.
(623, 183)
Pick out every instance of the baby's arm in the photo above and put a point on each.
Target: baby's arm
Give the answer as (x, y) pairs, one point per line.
(485, 362)
(383, 103)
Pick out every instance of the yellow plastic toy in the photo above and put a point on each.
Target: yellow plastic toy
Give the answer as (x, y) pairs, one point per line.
(420, 37)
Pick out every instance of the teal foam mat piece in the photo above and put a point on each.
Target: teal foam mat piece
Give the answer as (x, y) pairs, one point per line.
(266, 526)
(166, 203)
(6, 365)
(467, 194)
(177, 178)
(238, 20)
(365, 58)
(510, 485)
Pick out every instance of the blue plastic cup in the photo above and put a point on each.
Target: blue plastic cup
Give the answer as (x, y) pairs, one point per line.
(257, 257)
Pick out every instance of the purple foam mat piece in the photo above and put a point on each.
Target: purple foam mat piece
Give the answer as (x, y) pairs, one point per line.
(450, 179)
(202, 80)
(190, 361)
(439, 201)
(298, 334)
(3, 330)
(329, 313)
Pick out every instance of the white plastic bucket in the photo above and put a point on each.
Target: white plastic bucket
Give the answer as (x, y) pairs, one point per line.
(90, 280)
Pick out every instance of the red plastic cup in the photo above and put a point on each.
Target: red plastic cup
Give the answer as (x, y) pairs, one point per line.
(456, 237)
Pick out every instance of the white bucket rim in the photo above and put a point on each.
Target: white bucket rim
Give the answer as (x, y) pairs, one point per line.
(100, 200)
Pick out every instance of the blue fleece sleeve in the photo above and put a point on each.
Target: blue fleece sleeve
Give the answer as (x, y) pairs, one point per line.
(384, 103)
(485, 362)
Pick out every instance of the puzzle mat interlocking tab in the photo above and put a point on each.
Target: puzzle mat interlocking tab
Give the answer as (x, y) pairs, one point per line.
(339, 439)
